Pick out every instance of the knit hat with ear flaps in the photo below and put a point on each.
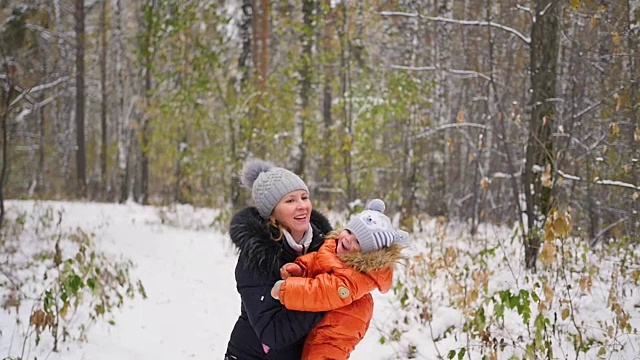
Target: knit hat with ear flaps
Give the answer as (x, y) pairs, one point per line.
(373, 229)
(269, 184)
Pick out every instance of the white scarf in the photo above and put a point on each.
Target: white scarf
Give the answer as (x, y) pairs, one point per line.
(303, 245)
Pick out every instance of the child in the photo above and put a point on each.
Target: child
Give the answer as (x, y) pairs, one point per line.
(339, 278)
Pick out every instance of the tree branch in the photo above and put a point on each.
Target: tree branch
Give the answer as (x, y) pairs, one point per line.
(471, 73)
(429, 132)
(525, 39)
(599, 182)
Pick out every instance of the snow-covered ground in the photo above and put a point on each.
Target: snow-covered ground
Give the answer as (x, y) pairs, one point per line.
(186, 267)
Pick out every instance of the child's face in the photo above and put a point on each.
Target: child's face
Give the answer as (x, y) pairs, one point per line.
(347, 242)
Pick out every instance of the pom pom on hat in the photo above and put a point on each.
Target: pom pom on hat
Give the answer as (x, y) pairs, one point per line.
(376, 205)
(252, 170)
(269, 184)
(373, 229)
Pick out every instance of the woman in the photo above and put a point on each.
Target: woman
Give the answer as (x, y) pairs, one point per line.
(281, 226)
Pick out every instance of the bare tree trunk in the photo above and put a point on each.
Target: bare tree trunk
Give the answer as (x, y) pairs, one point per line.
(633, 32)
(149, 49)
(260, 32)
(409, 168)
(499, 123)
(345, 87)
(298, 155)
(441, 110)
(41, 186)
(539, 154)
(80, 151)
(104, 98)
(64, 110)
(122, 128)
(245, 26)
(326, 166)
(5, 101)
(37, 185)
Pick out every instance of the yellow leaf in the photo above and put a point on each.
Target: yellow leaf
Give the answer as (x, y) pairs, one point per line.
(636, 135)
(562, 224)
(584, 283)
(635, 196)
(455, 289)
(548, 292)
(615, 128)
(549, 235)
(452, 145)
(575, 4)
(473, 296)
(542, 307)
(615, 37)
(484, 183)
(565, 313)
(548, 253)
(546, 178)
(460, 116)
(450, 255)
(65, 309)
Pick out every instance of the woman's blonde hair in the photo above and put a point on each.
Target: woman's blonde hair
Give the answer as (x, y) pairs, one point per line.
(277, 231)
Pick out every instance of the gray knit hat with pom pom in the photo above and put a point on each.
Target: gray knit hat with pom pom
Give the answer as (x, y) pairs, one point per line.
(373, 229)
(269, 184)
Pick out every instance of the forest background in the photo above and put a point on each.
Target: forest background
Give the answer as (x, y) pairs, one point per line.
(519, 114)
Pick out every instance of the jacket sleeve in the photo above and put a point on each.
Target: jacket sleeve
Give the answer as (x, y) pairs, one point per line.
(274, 325)
(327, 291)
(307, 263)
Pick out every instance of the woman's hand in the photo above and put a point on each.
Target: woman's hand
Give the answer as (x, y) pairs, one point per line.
(275, 290)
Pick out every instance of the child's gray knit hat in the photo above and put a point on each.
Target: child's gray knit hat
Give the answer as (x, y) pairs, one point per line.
(269, 184)
(373, 229)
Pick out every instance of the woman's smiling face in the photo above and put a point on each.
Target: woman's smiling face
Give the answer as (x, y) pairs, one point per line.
(293, 212)
(347, 242)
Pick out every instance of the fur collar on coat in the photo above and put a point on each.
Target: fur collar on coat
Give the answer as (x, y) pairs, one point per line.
(252, 236)
(374, 260)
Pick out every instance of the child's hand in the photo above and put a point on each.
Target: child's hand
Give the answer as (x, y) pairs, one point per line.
(291, 269)
(275, 290)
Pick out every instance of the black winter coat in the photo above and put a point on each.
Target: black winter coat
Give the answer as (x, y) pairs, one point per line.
(263, 320)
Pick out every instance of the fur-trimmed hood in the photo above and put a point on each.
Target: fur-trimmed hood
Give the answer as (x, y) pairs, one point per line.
(252, 236)
(374, 260)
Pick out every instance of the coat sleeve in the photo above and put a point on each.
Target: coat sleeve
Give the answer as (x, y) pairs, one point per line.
(307, 263)
(274, 325)
(327, 291)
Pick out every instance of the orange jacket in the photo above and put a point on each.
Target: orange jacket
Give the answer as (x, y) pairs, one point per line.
(340, 285)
